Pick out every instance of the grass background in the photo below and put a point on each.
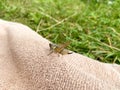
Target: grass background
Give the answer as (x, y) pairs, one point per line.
(92, 26)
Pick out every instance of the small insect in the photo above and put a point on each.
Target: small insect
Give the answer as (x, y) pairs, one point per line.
(59, 48)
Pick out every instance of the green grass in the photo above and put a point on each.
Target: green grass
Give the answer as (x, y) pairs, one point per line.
(92, 26)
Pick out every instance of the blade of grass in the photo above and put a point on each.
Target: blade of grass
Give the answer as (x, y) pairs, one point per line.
(101, 43)
(58, 23)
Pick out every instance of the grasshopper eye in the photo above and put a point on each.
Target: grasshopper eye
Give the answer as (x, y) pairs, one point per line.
(50, 45)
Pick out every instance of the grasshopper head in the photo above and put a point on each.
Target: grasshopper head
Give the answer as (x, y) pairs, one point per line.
(52, 46)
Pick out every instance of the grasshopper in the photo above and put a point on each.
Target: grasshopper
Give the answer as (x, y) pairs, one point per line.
(59, 48)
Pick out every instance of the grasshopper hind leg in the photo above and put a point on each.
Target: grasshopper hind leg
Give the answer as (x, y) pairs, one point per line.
(50, 53)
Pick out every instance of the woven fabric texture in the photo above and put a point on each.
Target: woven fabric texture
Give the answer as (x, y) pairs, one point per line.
(26, 65)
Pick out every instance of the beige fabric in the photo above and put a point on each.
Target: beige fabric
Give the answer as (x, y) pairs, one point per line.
(25, 65)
